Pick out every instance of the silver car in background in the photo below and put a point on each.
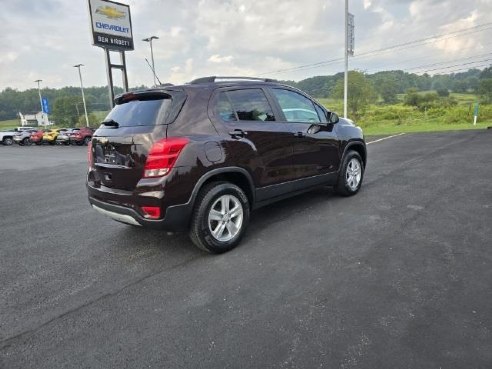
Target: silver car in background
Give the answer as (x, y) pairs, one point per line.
(23, 137)
(64, 136)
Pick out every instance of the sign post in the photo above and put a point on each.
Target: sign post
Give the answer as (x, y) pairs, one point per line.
(111, 27)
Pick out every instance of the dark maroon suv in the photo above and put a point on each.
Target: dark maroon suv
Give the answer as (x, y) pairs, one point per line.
(201, 156)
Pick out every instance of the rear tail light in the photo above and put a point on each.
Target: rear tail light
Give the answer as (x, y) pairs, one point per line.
(151, 212)
(163, 155)
(89, 154)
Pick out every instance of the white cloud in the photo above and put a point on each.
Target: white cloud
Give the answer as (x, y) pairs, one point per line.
(216, 58)
(8, 57)
(214, 37)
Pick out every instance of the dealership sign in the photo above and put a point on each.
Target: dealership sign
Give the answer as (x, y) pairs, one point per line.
(111, 25)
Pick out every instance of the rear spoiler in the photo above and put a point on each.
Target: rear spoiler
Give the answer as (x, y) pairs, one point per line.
(142, 95)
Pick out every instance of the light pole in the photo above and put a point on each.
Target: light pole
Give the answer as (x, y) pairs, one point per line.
(38, 81)
(39, 92)
(149, 40)
(83, 96)
(345, 79)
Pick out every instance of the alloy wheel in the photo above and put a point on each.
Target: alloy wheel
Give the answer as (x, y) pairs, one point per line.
(353, 174)
(225, 218)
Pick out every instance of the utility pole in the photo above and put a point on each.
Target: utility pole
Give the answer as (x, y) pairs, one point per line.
(149, 40)
(39, 92)
(345, 80)
(349, 51)
(83, 96)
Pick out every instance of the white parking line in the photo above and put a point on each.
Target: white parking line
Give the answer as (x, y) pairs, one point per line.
(385, 138)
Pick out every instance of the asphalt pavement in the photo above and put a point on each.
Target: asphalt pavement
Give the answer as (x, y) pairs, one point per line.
(399, 276)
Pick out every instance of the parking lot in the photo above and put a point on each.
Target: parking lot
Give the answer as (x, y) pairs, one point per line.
(398, 276)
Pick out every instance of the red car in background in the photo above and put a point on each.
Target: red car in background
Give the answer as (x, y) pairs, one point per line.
(82, 136)
(37, 137)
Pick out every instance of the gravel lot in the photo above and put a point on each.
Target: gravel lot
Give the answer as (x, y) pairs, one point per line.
(399, 276)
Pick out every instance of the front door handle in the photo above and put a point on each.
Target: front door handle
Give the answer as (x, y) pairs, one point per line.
(238, 133)
(300, 134)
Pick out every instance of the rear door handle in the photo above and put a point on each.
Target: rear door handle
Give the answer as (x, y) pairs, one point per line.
(300, 134)
(238, 133)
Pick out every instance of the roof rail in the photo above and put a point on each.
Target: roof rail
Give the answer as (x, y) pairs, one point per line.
(212, 79)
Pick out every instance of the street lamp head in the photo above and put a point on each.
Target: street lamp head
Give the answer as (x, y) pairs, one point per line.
(78, 65)
(38, 80)
(149, 39)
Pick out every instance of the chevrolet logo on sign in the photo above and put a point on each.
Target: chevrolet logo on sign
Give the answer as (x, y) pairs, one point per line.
(110, 12)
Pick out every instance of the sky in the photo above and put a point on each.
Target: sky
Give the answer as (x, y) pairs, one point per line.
(44, 39)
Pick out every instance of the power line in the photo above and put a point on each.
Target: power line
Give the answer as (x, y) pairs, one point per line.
(435, 64)
(431, 39)
(464, 69)
(386, 66)
(458, 65)
(474, 29)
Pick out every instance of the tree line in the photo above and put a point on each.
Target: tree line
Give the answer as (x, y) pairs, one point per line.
(384, 87)
(390, 83)
(67, 107)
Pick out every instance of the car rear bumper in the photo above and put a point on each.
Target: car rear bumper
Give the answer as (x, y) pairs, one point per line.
(176, 217)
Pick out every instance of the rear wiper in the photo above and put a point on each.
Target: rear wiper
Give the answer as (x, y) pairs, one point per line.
(110, 123)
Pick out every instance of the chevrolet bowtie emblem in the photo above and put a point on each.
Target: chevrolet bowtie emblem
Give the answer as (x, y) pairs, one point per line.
(110, 12)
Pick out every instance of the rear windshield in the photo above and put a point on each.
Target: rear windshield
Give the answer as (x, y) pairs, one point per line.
(148, 112)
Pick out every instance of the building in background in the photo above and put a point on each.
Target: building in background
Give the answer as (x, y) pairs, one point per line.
(33, 120)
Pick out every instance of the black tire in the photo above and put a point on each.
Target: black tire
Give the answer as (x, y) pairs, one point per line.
(38, 143)
(26, 141)
(7, 141)
(345, 186)
(200, 232)
(87, 140)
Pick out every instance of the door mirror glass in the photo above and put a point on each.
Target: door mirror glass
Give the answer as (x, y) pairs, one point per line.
(332, 117)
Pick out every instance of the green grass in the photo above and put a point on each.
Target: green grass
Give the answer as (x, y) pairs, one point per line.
(12, 123)
(422, 127)
(396, 118)
(7, 124)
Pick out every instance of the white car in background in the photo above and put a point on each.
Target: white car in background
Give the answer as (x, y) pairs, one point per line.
(7, 136)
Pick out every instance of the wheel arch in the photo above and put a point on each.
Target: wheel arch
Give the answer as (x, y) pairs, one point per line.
(359, 147)
(236, 175)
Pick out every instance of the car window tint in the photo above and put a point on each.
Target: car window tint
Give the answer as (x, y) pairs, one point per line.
(145, 112)
(321, 114)
(296, 108)
(223, 108)
(251, 104)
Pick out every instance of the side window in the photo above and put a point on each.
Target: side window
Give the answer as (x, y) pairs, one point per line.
(296, 107)
(224, 109)
(321, 114)
(251, 104)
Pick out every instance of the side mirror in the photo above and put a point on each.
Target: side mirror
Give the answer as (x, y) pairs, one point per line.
(332, 117)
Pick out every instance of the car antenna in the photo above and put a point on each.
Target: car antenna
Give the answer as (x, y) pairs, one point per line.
(153, 71)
